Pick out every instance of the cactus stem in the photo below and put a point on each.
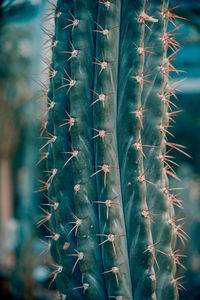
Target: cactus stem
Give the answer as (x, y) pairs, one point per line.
(77, 223)
(89, 72)
(79, 255)
(115, 270)
(74, 21)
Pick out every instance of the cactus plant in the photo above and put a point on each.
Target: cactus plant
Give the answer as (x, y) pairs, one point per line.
(112, 227)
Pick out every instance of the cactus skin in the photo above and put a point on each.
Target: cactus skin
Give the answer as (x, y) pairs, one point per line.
(109, 189)
(106, 153)
(81, 139)
(162, 232)
(131, 164)
(61, 191)
(134, 193)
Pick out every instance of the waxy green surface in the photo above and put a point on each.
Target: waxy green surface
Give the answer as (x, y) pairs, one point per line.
(113, 113)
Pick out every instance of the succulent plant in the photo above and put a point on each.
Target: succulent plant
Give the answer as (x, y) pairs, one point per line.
(112, 229)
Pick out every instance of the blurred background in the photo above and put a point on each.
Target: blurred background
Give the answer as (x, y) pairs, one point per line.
(23, 271)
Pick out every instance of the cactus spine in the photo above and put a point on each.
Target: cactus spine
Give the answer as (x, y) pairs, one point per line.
(112, 223)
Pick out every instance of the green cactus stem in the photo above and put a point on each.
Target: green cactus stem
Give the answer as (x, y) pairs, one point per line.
(111, 217)
(81, 142)
(112, 225)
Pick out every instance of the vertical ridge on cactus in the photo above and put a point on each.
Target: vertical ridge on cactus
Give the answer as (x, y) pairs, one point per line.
(112, 230)
(112, 225)
(130, 122)
(61, 190)
(81, 139)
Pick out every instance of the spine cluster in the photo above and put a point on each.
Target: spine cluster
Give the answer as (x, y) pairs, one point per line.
(112, 229)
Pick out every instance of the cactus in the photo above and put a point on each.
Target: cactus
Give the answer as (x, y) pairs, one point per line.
(112, 227)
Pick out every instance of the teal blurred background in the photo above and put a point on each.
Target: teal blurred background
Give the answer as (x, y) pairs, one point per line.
(23, 271)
